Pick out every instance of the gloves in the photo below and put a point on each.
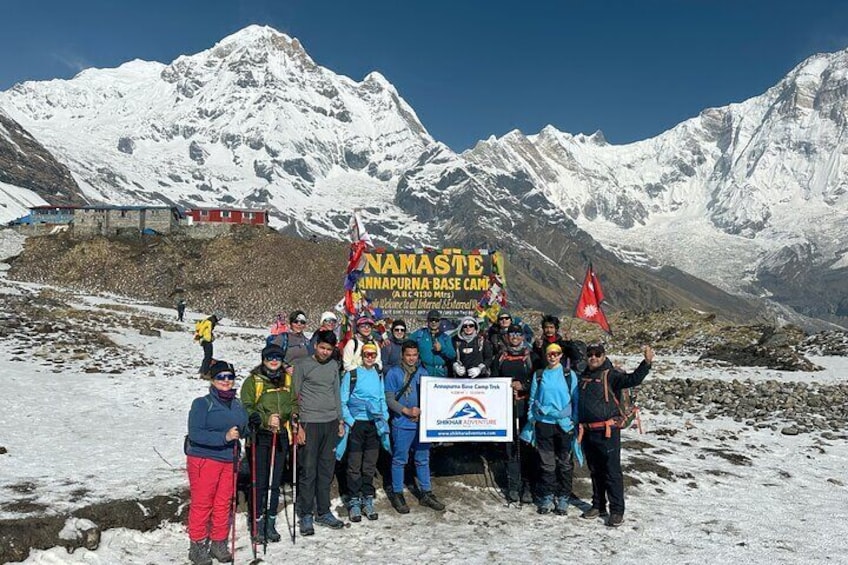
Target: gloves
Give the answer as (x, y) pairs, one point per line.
(475, 372)
(254, 421)
(459, 369)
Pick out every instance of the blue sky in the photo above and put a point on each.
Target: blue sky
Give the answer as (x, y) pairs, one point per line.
(470, 69)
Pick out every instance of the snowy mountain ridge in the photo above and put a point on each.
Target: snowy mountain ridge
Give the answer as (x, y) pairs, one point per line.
(750, 197)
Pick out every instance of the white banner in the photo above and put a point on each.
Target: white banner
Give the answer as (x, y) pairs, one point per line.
(457, 410)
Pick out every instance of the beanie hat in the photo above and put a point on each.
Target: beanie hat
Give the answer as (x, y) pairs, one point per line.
(364, 320)
(221, 367)
(398, 324)
(434, 315)
(273, 351)
(504, 313)
(328, 316)
(369, 347)
(514, 329)
(595, 348)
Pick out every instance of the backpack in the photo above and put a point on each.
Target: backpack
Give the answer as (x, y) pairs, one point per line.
(353, 377)
(198, 329)
(280, 340)
(628, 411)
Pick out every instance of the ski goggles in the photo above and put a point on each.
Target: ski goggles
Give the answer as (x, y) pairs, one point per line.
(273, 358)
(224, 377)
(369, 355)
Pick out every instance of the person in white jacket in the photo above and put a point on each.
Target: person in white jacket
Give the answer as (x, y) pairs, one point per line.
(351, 357)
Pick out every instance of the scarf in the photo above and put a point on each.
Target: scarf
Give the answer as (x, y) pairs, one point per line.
(225, 396)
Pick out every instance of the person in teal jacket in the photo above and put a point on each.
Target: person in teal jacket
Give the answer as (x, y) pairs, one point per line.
(366, 418)
(435, 348)
(551, 426)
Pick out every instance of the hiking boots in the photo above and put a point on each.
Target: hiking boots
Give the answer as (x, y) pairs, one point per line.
(594, 513)
(546, 504)
(198, 553)
(429, 500)
(615, 520)
(399, 503)
(329, 520)
(266, 530)
(513, 496)
(354, 509)
(561, 508)
(527, 495)
(368, 508)
(306, 527)
(219, 551)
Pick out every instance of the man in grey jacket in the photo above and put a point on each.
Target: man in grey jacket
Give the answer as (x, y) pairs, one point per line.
(316, 385)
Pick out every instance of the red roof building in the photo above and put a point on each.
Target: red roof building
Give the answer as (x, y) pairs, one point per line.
(228, 216)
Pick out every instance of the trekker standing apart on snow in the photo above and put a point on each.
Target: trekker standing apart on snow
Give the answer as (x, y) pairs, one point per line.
(298, 346)
(402, 397)
(516, 362)
(600, 395)
(352, 355)
(473, 351)
(573, 350)
(181, 306)
(390, 349)
(434, 346)
(270, 402)
(215, 424)
(551, 427)
(316, 384)
(203, 335)
(366, 418)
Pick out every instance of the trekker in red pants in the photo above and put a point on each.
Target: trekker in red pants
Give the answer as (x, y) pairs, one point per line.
(215, 424)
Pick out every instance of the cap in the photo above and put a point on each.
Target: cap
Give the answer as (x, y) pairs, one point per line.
(273, 351)
(328, 316)
(504, 313)
(364, 320)
(553, 348)
(434, 315)
(514, 329)
(369, 348)
(218, 315)
(219, 367)
(596, 348)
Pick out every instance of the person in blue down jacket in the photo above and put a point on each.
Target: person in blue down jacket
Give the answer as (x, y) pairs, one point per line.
(551, 426)
(216, 421)
(403, 398)
(366, 418)
(435, 348)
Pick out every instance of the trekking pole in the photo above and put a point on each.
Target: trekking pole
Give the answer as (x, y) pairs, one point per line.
(294, 484)
(235, 497)
(253, 490)
(268, 494)
(518, 456)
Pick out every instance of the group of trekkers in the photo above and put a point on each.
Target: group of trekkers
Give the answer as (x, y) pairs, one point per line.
(310, 403)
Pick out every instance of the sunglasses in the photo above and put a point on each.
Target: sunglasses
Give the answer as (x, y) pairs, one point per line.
(273, 358)
(504, 318)
(431, 320)
(514, 334)
(597, 354)
(401, 330)
(369, 355)
(224, 377)
(554, 354)
(299, 321)
(468, 326)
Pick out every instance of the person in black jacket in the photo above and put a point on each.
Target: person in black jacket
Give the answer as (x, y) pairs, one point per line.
(600, 436)
(516, 362)
(573, 350)
(473, 351)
